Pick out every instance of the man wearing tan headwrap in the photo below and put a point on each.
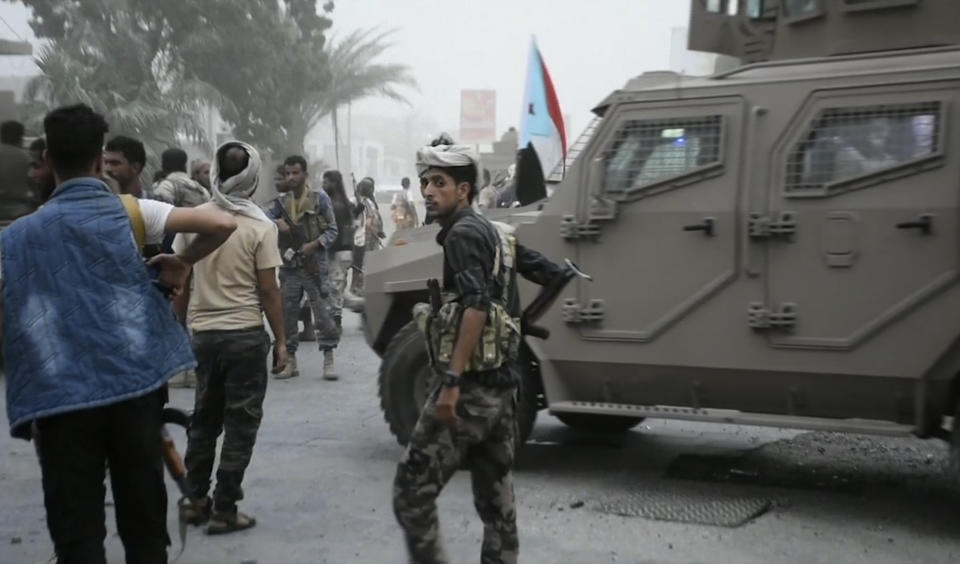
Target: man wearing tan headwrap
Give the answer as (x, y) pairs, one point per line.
(470, 420)
(232, 288)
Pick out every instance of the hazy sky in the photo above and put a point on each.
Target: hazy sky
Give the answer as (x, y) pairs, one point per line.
(590, 48)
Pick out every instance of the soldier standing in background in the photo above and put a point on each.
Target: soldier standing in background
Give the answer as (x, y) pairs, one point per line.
(369, 233)
(470, 418)
(307, 229)
(340, 254)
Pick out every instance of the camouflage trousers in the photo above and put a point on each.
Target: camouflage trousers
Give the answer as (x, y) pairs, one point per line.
(231, 385)
(482, 441)
(339, 267)
(294, 283)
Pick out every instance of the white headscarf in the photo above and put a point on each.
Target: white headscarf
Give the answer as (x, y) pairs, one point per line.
(234, 193)
(446, 156)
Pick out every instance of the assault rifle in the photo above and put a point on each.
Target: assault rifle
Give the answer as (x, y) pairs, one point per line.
(297, 240)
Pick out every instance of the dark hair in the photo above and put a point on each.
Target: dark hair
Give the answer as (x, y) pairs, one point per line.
(338, 193)
(173, 160)
(74, 139)
(486, 176)
(38, 145)
(366, 187)
(11, 133)
(229, 162)
(405, 182)
(159, 175)
(281, 169)
(465, 173)
(296, 160)
(131, 148)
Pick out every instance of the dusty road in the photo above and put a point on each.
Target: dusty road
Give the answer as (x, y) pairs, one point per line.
(322, 471)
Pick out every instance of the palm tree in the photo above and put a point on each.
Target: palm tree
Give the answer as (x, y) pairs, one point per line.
(124, 77)
(353, 74)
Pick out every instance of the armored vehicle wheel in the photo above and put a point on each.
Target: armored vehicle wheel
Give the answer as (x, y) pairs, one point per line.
(404, 377)
(591, 423)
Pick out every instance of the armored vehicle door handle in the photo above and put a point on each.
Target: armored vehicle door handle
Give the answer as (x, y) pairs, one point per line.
(707, 226)
(924, 223)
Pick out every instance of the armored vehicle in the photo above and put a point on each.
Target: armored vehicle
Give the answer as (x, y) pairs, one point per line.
(776, 244)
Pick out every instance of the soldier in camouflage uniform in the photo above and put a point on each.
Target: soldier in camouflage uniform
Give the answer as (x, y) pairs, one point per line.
(469, 419)
(305, 268)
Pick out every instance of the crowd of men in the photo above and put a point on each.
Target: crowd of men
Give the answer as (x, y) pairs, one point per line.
(219, 264)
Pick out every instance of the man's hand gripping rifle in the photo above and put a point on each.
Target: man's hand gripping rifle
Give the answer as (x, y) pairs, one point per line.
(298, 238)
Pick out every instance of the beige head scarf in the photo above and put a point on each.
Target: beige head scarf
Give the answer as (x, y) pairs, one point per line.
(233, 194)
(446, 155)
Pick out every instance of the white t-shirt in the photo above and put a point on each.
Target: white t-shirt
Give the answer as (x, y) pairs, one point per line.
(155, 214)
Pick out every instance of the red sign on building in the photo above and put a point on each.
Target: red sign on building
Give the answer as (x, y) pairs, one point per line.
(478, 116)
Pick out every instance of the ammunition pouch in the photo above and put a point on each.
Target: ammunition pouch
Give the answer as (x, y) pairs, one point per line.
(440, 322)
(499, 342)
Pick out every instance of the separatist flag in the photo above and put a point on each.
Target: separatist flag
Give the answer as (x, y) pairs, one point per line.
(543, 139)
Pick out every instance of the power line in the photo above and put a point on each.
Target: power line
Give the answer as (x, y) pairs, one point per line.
(10, 27)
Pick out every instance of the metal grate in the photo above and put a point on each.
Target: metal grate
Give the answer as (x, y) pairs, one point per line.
(702, 505)
(845, 143)
(646, 151)
(573, 151)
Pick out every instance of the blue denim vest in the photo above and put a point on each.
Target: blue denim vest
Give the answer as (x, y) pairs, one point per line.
(83, 325)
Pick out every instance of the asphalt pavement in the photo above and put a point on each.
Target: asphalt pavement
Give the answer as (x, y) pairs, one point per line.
(320, 483)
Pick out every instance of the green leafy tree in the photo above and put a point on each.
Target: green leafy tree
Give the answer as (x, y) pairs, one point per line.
(115, 56)
(152, 67)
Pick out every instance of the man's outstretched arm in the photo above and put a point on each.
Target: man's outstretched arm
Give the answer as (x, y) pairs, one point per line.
(213, 227)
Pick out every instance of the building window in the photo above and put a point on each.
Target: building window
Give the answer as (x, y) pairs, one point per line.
(644, 152)
(846, 143)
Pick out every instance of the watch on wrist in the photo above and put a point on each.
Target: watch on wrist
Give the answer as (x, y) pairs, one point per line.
(451, 379)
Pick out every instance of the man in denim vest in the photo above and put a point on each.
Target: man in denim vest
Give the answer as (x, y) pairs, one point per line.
(89, 343)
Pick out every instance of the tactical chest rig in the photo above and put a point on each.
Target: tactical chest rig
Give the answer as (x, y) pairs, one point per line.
(440, 321)
(307, 226)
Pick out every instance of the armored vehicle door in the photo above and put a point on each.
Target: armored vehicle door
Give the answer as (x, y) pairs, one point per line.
(658, 226)
(862, 224)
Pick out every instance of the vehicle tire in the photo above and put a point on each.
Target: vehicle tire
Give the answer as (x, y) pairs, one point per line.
(405, 376)
(604, 424)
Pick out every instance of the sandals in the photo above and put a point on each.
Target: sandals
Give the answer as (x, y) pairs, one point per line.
(195, 512)
(223, 523)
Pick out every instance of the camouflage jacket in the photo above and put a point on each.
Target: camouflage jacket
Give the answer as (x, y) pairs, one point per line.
(181, 191)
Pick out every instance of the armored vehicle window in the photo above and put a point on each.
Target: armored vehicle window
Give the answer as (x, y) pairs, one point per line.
(802, 9)
(646, 151)
(714, 6)
(845, 143)
(754, 8)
